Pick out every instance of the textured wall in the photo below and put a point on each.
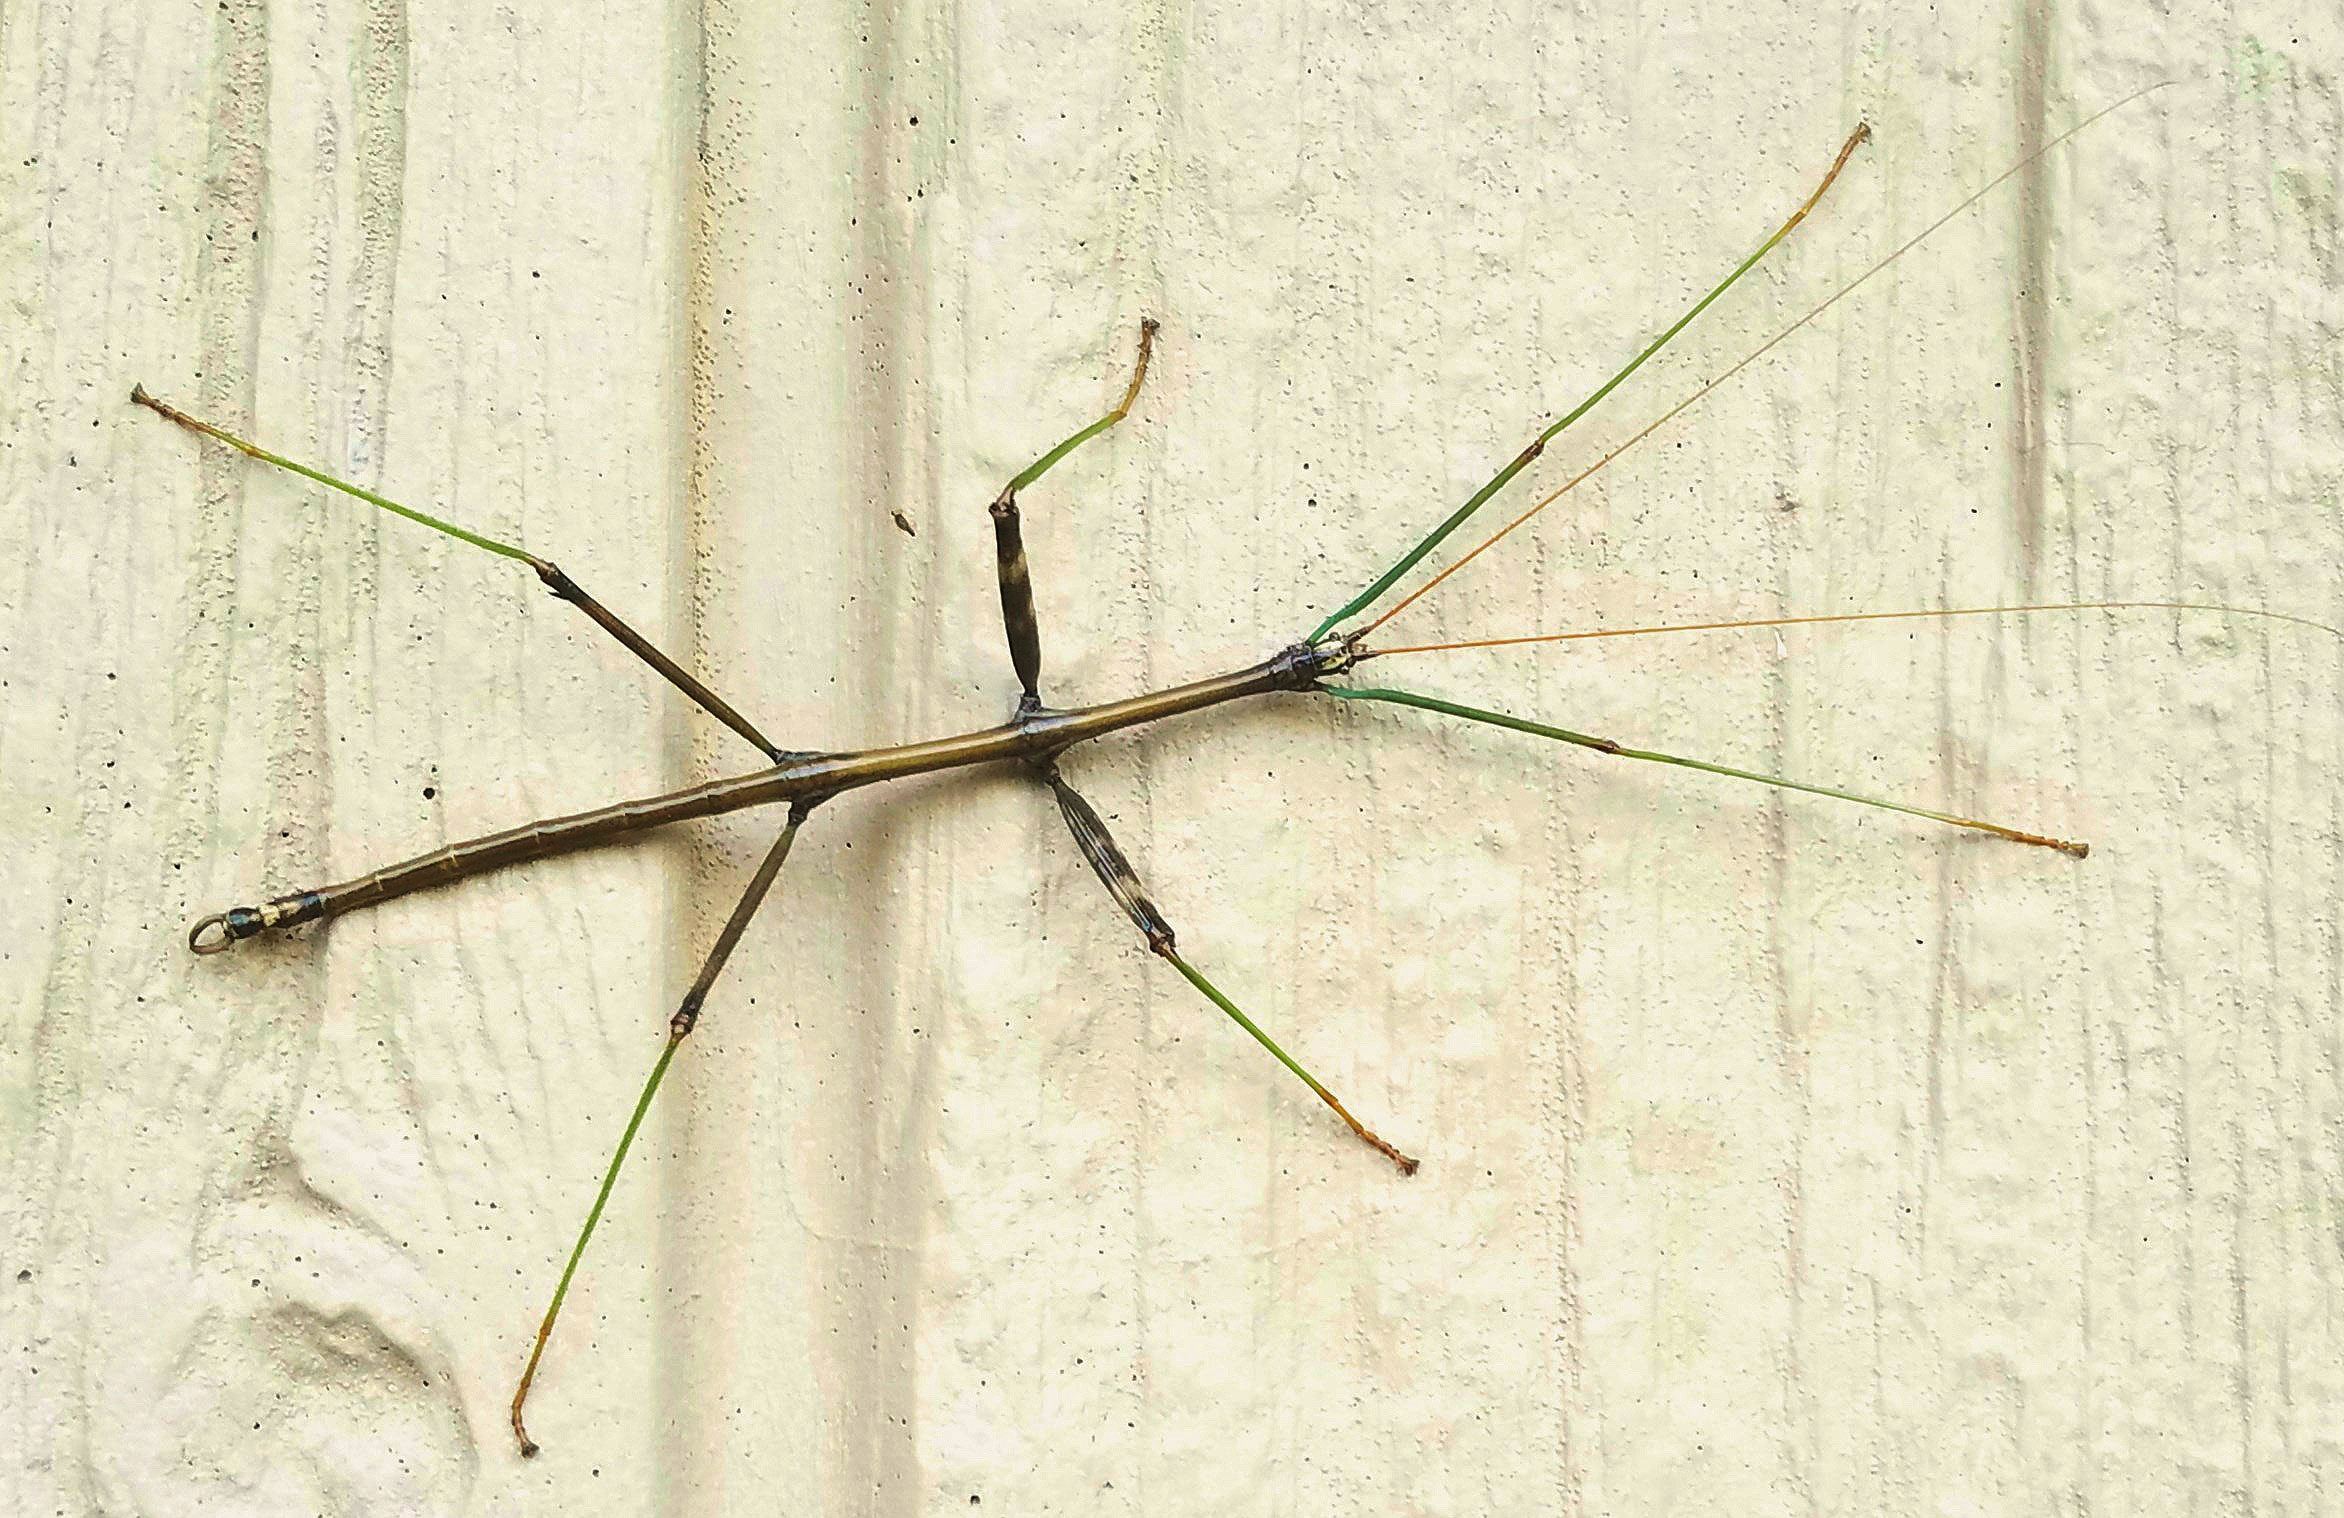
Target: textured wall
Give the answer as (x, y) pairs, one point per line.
(1779, 1155)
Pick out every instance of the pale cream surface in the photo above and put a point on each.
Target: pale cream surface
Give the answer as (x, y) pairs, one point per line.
(1779, 1156)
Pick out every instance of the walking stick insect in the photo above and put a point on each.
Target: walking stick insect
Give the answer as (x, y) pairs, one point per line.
(1037, 737)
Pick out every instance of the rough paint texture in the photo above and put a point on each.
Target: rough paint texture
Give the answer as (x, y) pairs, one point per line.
(1779, 1156)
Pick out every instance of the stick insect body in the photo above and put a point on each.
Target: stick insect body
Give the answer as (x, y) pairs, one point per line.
(1037, 736)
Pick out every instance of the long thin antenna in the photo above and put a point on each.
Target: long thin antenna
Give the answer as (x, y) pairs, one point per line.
(1757, 353)
(1362, 655)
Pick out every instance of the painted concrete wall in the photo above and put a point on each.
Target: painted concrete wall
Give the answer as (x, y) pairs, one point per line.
(1779, 1155)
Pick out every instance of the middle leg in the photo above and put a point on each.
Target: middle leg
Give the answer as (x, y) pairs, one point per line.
(1123, 883)
(1017, 586)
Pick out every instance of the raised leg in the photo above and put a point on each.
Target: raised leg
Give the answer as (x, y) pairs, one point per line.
(1122, 883)
(678, 1029)
(1017, 586)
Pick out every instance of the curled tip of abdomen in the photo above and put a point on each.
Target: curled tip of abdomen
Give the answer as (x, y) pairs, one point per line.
(220, 931)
